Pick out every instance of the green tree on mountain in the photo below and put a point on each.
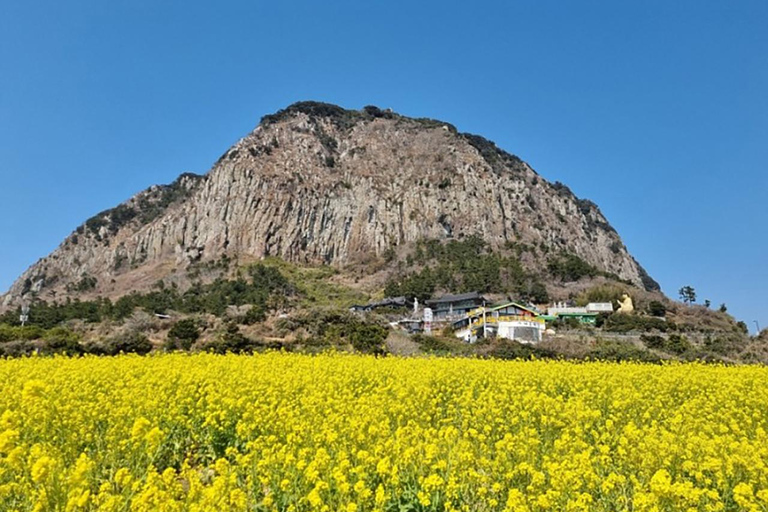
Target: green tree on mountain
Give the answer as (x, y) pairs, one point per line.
(687, 294)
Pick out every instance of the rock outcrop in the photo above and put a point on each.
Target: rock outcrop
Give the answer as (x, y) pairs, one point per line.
(316, 183)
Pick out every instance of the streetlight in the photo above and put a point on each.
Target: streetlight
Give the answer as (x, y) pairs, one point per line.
(757, 325)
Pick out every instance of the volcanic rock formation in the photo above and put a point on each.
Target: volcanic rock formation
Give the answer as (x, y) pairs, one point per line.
(315, 183)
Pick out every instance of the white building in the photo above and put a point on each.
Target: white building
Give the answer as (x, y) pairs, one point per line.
(511, 321)
(599, 307)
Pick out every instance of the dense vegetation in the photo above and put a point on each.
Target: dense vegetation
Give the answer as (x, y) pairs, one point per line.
(337, 432)
(263, 287)
(569, 267)
(330, 327)
(463, 266)
(239, 314)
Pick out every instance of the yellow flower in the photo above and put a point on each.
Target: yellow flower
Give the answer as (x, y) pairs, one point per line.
(661, 482)
(8, 440)
(33, 389)
(140, 428)
(82, 468)
(123, 477)
(338, 432)
(153, 439)
(42, 468)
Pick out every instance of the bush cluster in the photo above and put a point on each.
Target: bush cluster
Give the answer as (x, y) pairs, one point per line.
(618, 351)
(230, 339)
(264, 287)
(568, 267)
(509, 349)
(674, 343)
(433, 344)
(120, 343)
(331, 327)
(623, 323)
(21, 341)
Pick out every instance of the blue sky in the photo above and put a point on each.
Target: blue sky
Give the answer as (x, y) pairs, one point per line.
(655, 110)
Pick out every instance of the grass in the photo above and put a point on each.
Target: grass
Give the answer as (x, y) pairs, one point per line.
(316, 286)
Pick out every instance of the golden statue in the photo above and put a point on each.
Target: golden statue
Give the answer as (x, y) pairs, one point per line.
(625, 304)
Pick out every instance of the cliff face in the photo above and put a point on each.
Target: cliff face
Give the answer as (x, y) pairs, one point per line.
(315, 183)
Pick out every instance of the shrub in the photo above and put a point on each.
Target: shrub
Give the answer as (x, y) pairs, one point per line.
(674, 343)
(601, 319)
(653, 341)
(16, 348)
(657, 308)
(231, 340)
(509, 349)
(61, 341)
(621, 322)
(537, 293)
(331, 326)
(183, 334)
(7, 333)
(86, 283)
(128, 343)
(255, 314)
(618, 351)
(725, 344)
(429, 343)
(28, 332)
(570, 267)
(368, 338)
(567, 323)
(678, 344)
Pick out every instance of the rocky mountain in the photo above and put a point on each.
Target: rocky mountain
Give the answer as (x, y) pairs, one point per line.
(316, 183)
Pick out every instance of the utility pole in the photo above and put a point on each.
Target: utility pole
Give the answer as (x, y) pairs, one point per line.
(485, 326)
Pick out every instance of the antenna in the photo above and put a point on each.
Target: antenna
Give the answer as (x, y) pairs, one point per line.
(24, 317)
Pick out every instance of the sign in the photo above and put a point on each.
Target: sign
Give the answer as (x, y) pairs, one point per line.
(428, 320)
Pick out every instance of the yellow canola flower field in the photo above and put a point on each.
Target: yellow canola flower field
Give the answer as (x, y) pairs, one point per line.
(339, 432)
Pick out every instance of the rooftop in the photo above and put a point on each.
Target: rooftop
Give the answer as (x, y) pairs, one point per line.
(456, 298)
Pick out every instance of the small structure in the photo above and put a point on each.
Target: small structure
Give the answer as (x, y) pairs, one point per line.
(599, 307)
(585, 315)
(562, 308)
(449, 307)
(581, 317)
(510, 320)
(428, 316)
(409, 325)
(625, 304)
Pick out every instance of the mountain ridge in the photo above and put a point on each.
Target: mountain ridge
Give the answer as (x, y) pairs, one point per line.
(315, 183)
